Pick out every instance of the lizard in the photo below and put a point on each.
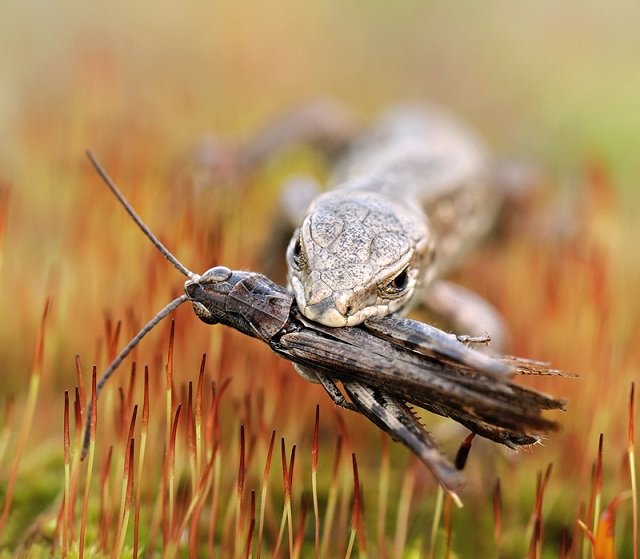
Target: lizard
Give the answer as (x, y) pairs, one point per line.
(406, 203)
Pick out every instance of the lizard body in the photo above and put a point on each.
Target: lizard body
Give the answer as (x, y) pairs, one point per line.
(408, 201)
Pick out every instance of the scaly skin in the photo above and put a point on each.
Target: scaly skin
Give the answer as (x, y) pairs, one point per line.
(409, 200)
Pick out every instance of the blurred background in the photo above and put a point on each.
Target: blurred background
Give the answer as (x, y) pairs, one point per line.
(558, 78)
(556, 82)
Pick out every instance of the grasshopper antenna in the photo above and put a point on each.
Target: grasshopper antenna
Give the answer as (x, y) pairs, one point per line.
(156, 242)
(155, 320)
(120, 358)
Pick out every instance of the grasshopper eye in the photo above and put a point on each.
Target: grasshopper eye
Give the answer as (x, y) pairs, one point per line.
(398, 284)
(216, 274)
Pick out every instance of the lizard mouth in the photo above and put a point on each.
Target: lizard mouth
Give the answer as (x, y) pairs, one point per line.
(329, 312)
(325, 313)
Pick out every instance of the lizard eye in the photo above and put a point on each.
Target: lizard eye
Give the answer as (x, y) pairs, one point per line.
(398, 284)
(297, 257)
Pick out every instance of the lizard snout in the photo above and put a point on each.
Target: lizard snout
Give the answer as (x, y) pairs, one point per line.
(333, 310)
(326, 312)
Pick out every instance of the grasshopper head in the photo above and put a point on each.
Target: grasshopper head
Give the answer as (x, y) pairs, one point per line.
(208, 293)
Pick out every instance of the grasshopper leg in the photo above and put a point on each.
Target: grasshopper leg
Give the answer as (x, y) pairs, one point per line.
(314, 375)
(393, 416)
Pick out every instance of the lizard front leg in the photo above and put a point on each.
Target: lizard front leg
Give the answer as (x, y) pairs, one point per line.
(464, 312)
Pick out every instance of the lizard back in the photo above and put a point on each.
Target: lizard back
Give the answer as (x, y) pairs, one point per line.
(424, 156)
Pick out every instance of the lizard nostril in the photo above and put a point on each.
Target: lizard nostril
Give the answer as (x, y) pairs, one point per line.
(344, 305)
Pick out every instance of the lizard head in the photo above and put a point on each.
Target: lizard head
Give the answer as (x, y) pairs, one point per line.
(356, 255)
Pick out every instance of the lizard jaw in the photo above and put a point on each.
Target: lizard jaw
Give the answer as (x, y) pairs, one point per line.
(328, 312)
(327, 315)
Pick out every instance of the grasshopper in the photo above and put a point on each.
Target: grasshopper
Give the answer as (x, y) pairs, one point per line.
(385, 365)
